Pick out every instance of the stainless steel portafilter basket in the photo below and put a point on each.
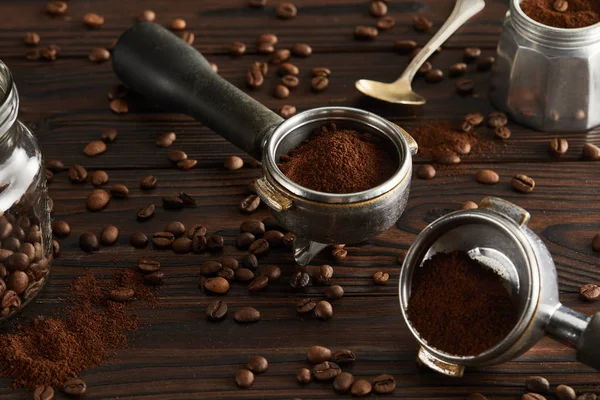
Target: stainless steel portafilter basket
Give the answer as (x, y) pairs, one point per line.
(161, 66)
(497, 236)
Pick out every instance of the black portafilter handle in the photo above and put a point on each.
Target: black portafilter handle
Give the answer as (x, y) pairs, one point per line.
(160, 66)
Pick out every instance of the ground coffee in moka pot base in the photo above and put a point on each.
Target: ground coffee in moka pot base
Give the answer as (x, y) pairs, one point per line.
(460, 306)
(334, 160)
(568, 14)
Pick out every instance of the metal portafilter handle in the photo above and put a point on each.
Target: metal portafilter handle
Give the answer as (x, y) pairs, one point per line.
(157, 64)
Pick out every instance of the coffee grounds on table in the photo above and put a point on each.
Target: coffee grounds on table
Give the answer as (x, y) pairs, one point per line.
(580, 13)
(460, 306)
(334, 160)
(51, 350)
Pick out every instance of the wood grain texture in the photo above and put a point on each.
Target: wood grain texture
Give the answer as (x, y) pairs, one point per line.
(177, 353)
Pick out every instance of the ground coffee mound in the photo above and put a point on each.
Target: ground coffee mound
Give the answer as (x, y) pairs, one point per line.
(334, 160)
(459, 306)
(580, 13)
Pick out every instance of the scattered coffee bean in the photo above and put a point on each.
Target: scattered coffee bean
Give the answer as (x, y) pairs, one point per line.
(280, 56)
(250, 203)
(319, 83)
(237, 49)
(363, 32)
(93, 20)
(564, 392)
(268, 38)
(323, 274)
(43, 393)
(187, 37)
(384, 384)
(281, 92)
(187, 164)
(177, 155)
(172, 202)
(56, 8)
(381, 278)
(214, 67)
(560, 5)
(250, 261)
(163, 240)
(523, 183)
(272, 272)
(320, 71)
(258, 284)
(300, 280)
(119, 190)
(215, 243)
(405, 46)
(94, 148)
(147, 16)
(537, 384)
(74, 387)
(457, 69)
(226, 273)
(334, 292)
(148, 182)
(290, 81)
(588, 291)
(121, 294)
(471, 53)
(502, 132)
(339, 254)
(323, 310)
(286, 10)
(60, 228)
(532, 396)
(97, 200)
(217, 285)
(166, 139)
(98, 55)
(244, 240)
(259, 248)
(378, 8)
(119, 106)
(77, 174)
(474, 119)
(178, 24)
(558, 146)
(485, 63)
(233, 163)
(326, 371)
(31, 39)
(138, 240)
(596, 242)
(343, 382)
(246, 314)
(303, 306)
(99, 178)
(591, 152)
(303, 376)
(244, 378)
(468, 205)
(464, 87)
(253, 226)
(361, 387)
(148, 265)
(286, 111)
(258, 364)
(187, 199)
(425, 68)
(199, 243)
(275, 238)
(288, 69)
(434, 76)
(344, 357)
(487, 177)
(421, 24)
(17, 281)
(288, 240)
(210, 267)
(386, 23)
(244, 275)
(254, 77)
(109, 235)
(216, 310)
(109, 135)
(448, 158)
(55, 165)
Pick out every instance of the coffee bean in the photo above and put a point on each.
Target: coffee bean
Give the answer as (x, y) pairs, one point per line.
(320, 71)
(10, 301)
(244, 378)
(177, 155)
(323, 274)
(405, 46)
(148, 265)
(147, 16)
(162, 240)
(537, 384)
(323, 310)
(259, 248)
(326, 371)
(187, 37)
(474, 119)
(258, 284)
(286, 10)
(588, 291)
(197, 229)
(119, 106)
(254, 77)
(109, 235)
(523, 183)
(254, 226)
(447, 158)
(269, 38)
(250, 203)
(386, 23)
(74, 387)
(43, 393)
(88, 242)
(97, 200)
(77, 174)
(217, 285)
(31, 39)
(216, 310)
(210, 267)
(286, 111)
(303, 376)
(175, 227)
(587, 396)
(305, 305)
(55, 165)
(343, 382)
(250, 261)
(166, 139)
(56, 8)
(60, 228)
(233, 163)
(246, 314)
(434, 76)
(281, 92)
(426, 171)
(275, 238)
(334, 292)
(468, 205)
(591, 152)
(502, 132)
(558, 146)
(237, 49)
(244, 275)
(421, 24)
(215, 243)
(138, 240)
(560, 5)
(280, 56)
(172, 202)
(244, 240)
(148, 182)
(425, 68)
(301, 50)
(487, 177)
(596, 242)
(121, 294)
(50, 53)
(119, 190)
(564, 392)
(288, 240)
(178, 24)
(339, 254)
(457, 69)
(154, 278)
(199, 243)
(93, 20)
(381, 278)
(98, 55)
(464, 87)
(290, 81)
(384, 384)
(109, 135)
(300, 280)
(471, 53)
(288, 69)
(485, 63)
(99, 178)
(378, 8)
(17, 282)
(361, 387)
(319, 83)
(532, 396)
(363, 32)
(25, 248)
(258, 364)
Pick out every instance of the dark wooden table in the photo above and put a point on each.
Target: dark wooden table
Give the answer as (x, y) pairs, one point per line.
(177, 354)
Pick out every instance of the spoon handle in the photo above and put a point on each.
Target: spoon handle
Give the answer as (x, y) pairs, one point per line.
(463, 10)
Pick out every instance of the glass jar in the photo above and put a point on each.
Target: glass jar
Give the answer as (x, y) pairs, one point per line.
(546, 77)
(25, 233)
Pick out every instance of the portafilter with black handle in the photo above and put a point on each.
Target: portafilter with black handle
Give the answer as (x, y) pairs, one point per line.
(157, 64)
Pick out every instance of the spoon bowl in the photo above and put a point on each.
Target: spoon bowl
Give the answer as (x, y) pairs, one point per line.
(399, 92)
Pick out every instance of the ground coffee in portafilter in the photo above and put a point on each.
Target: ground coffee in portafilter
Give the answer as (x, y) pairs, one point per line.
(335, 160)
(563, 13)
(459, 306)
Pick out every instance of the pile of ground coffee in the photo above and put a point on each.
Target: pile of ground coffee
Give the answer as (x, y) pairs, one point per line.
(336, 160)
(459, 306)
(52, 350)
(578, 13)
